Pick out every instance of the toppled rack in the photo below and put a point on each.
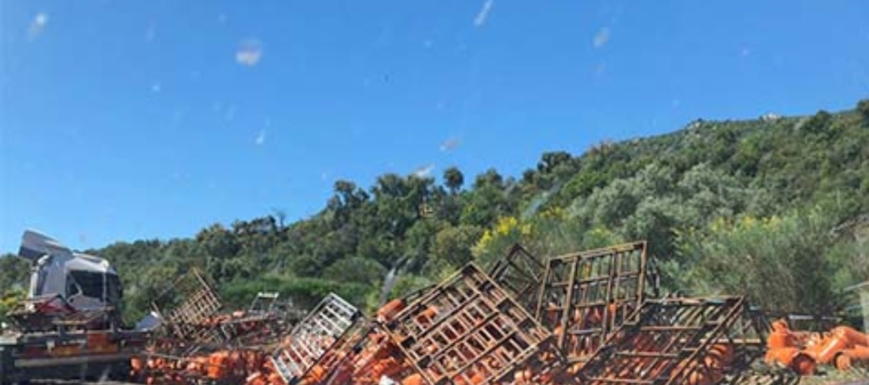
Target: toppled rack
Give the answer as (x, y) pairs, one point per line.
(585, 296)
(187, 306)
(470, 330)
(314, 337)
(521, 274)
(670, 341)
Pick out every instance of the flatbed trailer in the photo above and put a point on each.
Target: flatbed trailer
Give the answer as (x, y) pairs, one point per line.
(83, 355)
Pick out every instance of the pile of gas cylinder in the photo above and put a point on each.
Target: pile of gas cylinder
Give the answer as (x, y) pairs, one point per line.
(842, 347)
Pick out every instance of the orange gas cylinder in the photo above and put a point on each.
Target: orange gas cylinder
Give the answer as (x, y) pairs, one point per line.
(826, 351)
(705, 377)
(480, 375)
(720, 356)
(522, 376)
(218, 365)
(255, 379)
(778, 340)
(595, 317)
(394, 369)
(851, 336)
(780, 325)
(136, 364)
(317, 373)
(558, 331)
(843, 362)
(202, 364)
(276, 379)
(427, 315)
(413, 379)
(613, 309)
(192, 366)
(376, 368)
(849, 357)
(802, 363)
(781, 336)
(388, 311)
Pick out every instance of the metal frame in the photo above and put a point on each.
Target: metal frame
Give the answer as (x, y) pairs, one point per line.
(187, 305)
(670, 341)
(263, 302)
(469, 329)
(315, 336)
(521, 274)
(585, 296)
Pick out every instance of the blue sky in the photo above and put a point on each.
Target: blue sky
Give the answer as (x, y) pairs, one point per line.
(122, 120)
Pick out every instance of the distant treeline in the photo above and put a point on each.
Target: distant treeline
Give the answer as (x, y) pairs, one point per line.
(763, 207)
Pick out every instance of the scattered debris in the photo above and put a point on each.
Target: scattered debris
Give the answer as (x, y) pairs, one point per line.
(592, 318)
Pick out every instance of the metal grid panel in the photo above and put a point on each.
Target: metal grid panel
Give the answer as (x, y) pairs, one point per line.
(316, 334)
(520, 273)
(586, 296)
(187, 306)
(669, 341)
(470, 330)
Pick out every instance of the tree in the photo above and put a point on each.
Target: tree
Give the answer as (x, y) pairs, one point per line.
(782, 263)
(454, 179)
(550, 160)
(818, 123)
(13, 273)
(490, 178)
(863, 110)
(453, 245)
(420, 242)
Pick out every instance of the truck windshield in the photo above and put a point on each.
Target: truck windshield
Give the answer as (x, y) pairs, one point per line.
(98, 285)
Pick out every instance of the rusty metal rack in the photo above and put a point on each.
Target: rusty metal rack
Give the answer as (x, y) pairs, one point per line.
(670, 341)
(314, 337)
(468, 329)
(186, 307)
(585, 296)
(521, 274)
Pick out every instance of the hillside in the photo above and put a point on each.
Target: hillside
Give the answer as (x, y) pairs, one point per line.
(743, 207)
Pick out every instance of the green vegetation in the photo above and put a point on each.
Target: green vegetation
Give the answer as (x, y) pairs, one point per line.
(739, 207)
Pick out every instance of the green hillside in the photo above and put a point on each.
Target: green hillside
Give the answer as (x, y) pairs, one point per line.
(772, 208)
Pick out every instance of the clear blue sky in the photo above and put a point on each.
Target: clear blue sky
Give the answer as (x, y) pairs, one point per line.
(122, 120)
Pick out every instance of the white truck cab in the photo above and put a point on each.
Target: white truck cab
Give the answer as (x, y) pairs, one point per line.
(84, 281)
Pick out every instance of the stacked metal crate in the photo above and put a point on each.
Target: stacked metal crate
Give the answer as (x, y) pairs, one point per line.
(585, 296)
(671, 341)
(469, 330)
(313, 340)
